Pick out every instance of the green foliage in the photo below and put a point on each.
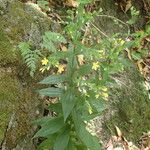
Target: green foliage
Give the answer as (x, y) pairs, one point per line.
(54, 79)
(52, 38)
(62, 140)
(43, 4)
(134, 16)
(30, 56)
(50, 126)
(138, 37)
(81, 90)
(80, 84)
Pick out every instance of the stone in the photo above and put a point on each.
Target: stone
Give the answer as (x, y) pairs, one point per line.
(18, 103)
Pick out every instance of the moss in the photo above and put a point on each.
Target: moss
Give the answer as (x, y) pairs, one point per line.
(20, 102)
(7, 54)
(18, 23)
(9, 98)
(25, 115)
(132, 104)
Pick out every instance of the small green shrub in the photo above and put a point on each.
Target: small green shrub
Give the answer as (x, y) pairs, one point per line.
(81, 87)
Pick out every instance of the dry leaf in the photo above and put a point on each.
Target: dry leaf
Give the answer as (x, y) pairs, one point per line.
(128, 53)
(72, 3)
(119, 133)
(140, 66)
(128, 6)
(63, 48)
(125, 5)
(81, 59)
(145, 141)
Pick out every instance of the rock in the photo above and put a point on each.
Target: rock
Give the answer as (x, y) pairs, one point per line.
(18, 103)
(129, 108)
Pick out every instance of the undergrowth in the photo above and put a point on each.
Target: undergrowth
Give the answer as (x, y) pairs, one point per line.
(82, 69)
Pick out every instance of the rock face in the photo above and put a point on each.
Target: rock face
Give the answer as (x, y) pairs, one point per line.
(130, 103)
(19, 105)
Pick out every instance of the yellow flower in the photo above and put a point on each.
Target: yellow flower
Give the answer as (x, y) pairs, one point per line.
(90, 111)
(61, 68)
(105, 95)
(102, 53)
(44, 61)
(105, 89)
(95, 65)
(121, 41)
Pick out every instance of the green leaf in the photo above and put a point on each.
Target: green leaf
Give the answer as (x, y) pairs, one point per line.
(71, 146)
(53, 79)
(68, 101)
(42, 121)
(47, 144)
(136, 55)
(24, 46)
(52, 92)
(84, 1)
(56, 37)
(148, 29)
(99, 105)
(43, 4)
(62, 140)
(50, 127)
(90, 141)
(85, 69)
(57, 108)
(48, 44)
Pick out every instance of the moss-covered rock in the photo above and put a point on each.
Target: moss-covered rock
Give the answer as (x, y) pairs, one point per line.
(20, 130)
(7, 52)
(9, 98)
(18, 104)
(131, 104)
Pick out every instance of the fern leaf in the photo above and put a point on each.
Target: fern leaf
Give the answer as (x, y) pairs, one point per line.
(30, 56)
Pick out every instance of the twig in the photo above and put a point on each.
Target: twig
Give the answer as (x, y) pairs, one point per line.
(99, 30)
(112, 17)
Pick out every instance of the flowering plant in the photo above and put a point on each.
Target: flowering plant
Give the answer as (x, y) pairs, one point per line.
(81, 78)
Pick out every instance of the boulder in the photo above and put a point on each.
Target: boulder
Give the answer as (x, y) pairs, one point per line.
(19, 105)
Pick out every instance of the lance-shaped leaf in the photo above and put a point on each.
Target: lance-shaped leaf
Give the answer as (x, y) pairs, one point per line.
(50, 127)
(56, 107)
(71, 146)
(48, 143)
(51, 92)
(62, 140)
(53, 79)
(90, 141)
(68, 101)
(42, 121)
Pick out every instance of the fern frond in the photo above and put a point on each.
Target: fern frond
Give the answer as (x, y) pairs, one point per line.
(29, 56)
